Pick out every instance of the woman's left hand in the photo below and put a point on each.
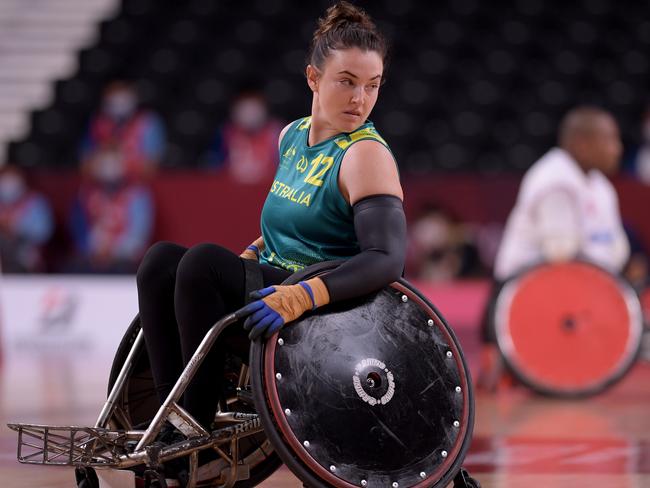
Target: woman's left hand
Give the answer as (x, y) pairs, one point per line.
(253, 251)
(278, 305)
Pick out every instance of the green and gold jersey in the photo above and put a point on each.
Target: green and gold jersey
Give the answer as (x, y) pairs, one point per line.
(305, 219)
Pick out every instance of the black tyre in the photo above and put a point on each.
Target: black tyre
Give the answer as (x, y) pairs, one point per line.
(139, 403)
(139, 400)
(86, 477)
(276, 380)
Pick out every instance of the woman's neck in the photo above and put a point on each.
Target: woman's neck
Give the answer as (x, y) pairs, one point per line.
(319, 129)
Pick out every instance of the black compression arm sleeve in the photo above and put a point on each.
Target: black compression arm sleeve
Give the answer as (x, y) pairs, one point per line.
(380, 226)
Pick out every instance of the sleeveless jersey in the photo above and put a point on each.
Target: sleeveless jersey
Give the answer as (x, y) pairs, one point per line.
(306, 219)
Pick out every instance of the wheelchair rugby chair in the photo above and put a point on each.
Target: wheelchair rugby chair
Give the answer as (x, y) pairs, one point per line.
(372, 392)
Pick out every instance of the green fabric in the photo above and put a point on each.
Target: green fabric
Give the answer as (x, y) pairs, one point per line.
(305, 219)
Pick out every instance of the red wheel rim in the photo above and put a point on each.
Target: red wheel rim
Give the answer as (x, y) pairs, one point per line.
(304, 455)
(568, 327)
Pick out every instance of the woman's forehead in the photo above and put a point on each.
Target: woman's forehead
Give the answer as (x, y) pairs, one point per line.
(359, 63)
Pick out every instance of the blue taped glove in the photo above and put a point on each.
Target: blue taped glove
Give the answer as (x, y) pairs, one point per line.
(276, 306)
(262, 319)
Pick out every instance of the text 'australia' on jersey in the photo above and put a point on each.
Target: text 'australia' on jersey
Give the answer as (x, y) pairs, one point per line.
(306, 219)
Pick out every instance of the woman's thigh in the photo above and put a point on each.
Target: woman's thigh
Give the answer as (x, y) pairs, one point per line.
(211, 282)
(272, 275)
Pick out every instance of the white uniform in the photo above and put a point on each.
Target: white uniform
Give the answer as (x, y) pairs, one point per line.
(561, 213)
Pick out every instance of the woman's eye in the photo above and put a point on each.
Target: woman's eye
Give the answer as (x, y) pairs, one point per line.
(346, 82)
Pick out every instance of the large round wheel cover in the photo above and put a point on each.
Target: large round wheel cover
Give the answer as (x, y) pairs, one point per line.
(568, 329)
(371, 393)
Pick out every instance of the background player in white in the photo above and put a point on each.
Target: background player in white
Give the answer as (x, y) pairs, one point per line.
(566, 209)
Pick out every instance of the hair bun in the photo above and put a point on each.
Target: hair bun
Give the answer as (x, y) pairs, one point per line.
(343, 13)
(345, 26)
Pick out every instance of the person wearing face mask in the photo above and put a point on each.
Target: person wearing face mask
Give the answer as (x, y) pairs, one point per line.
(112, 220)
(246, 146)
(138, 133)
(26, 223)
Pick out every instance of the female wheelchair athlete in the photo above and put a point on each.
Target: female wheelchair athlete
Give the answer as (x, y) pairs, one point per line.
(369, 392)
(567, 329)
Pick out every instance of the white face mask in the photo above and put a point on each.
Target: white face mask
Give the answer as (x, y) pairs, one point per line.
(12, 187)
(120, 105)
(249, 114)
(109, 168)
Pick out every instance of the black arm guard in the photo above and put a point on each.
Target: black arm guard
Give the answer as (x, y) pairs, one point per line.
(380, 225)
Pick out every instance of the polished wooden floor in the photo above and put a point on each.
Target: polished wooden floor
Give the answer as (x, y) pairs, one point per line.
(520, 441)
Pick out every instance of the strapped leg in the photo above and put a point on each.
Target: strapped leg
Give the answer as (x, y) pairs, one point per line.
(254, 278)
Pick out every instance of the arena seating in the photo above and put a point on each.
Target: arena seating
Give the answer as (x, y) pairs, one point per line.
(39, 41)
(472, 85)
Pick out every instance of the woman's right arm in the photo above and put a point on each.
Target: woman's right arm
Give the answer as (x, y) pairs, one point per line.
(369, 180)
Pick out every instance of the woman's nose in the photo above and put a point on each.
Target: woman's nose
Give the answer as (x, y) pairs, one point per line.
(357, 95)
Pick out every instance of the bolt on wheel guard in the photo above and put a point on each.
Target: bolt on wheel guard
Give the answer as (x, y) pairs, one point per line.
(372, 392)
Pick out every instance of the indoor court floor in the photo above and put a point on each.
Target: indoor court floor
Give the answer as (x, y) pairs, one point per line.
(520, 440)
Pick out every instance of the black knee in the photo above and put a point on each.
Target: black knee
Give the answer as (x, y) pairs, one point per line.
(159, 263)
(205, 262)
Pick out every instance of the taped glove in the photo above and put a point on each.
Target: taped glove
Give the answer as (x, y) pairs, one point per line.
(278, 305)
(253, 251)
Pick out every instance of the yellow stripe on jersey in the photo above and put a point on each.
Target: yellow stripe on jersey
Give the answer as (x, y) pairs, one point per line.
(367, 133)
(305, 123)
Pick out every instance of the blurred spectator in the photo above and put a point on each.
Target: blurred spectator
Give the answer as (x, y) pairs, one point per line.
(247, 145)
(26, 223)
(139, 134)
(441, 248)
(112, 219)
(641, 158)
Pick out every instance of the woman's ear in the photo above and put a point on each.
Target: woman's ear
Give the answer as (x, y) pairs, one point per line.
(312, 77)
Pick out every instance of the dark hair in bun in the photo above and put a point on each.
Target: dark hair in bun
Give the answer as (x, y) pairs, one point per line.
(345, 26)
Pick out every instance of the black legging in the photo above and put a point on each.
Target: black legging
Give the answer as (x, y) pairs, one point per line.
(181, 294)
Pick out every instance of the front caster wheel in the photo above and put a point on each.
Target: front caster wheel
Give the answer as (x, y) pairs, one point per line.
(154, 479)
(86, 477)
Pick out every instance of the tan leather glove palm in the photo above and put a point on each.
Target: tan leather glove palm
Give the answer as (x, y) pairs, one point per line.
(282, 304)
(251, 253)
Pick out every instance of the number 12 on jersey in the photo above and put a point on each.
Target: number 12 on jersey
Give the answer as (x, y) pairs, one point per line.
(321, 164)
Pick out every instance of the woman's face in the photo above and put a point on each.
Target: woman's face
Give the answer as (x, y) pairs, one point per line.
(347, 87)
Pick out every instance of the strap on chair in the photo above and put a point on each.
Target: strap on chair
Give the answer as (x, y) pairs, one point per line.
(253, 280)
